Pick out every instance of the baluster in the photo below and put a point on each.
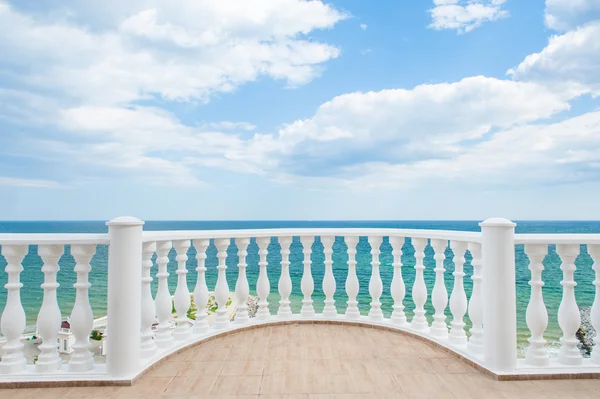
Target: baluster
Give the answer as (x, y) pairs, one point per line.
(439, 295)
(397, 288)
(475, 344)
(201, 290)
(329, 311)
(82, 317)
(594, 251)
(285, 281)
(242, 288)
(182, 299)
(352, 285)
(49, 318)
(163, 301)
(569, 318)
(537, 315)
(148, 347)
(458, 299)
(419, 291)
(375, 284)
(263, 286)
(307, 283)
(13, 317)
(222, 288)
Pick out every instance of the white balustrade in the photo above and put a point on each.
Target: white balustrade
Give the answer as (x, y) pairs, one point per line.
(263, 286)
(397, 288)
(201, 293)
(307, 284)
(419, 291)
(13, 317)
(163, 301)
(49, 318)
(148, 347)
(222, 288)
(475, 343)
(569, 318)
(375, 283)
(439, 295)
(285, 281)
(242, 288)
(537, 315)
(181, 298)
(458, 298)
(594, 251)
(82, 316)
(329, 311)
(352, 284)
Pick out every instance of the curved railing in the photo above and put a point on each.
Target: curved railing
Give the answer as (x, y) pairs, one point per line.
(480, 327)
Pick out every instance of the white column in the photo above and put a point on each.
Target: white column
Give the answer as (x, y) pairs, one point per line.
(201, 290)
(458, 298)
(375, 284)
(181, 298)
(475, 344)
(397, 288)
(594, 251)
(82, 317)
(263, 286)
(285, 281)
(222, 288)
(147, 346)
(49, 318)
(242, 288)
(419, 291)
(329, 311)
(499, 294)
(537, 315)
(352, 285)
(569, 318)
(124, 297)
(307, 284)
(163, 300)
(439, 295)
(13, 317)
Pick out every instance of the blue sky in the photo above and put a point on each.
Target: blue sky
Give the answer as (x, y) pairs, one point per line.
(294, 109)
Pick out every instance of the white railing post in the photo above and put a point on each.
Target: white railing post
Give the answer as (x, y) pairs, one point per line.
(499, 294)
(594, 251)
(124, 296)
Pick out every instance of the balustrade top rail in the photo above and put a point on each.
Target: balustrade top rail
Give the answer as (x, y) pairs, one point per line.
(587, 239)
(464, 236)
(54, 239)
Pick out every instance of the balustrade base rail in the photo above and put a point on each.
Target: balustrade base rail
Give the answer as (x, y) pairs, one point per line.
(99, 376)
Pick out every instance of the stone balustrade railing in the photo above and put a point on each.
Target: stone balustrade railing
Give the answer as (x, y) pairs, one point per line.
(133, 345)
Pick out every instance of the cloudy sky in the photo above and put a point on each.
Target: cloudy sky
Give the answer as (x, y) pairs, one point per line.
(295, 109)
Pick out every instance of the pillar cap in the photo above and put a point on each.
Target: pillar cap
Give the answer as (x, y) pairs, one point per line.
(125, 221)
(497, 222)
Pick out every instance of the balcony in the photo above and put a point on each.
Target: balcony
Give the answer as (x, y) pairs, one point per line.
(472, 330)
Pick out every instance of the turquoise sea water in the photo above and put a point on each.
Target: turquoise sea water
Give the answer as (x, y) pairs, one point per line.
(32, 276)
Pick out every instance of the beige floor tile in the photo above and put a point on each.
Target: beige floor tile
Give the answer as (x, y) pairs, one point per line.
(283, 367)
(588, 383)
(91, 392)
(237, 385)
(190, 385)
(243, 367)
(461, 382)
(144, 388)
(367, 366)
(204, 369)
(323, 366)
(284, 396)
(409, 366)
(319, 352)
(284, 384)
(33, 393)
(375, 383)
(358, 396)
(421, 384)
(558, 385)
(319, 383)
(210, 354)
(446, 366)
(167, 369)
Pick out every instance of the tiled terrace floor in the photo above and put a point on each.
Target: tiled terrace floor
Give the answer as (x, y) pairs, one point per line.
(320, 361)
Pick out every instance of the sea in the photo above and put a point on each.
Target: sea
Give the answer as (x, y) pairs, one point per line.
(32, 277)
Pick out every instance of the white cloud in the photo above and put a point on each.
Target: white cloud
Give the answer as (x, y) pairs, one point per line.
(30, 183)
(564, 15)
(465, 15)
(569, 63)
(364, 26)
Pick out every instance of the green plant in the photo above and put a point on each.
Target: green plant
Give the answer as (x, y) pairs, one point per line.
(35, 359)
(96, 335)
